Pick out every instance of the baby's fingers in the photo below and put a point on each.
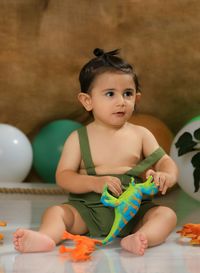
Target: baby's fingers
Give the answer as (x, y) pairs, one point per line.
(164, 189)
(115, 186)
(163, 184)
(156, 179)
(114, 191)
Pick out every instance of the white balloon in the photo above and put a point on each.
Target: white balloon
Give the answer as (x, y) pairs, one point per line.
(186, 169)
(16, 154)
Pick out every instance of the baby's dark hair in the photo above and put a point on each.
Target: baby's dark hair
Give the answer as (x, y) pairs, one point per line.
(104, 62)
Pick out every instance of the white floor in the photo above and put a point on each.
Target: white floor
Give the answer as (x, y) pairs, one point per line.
(174, 256)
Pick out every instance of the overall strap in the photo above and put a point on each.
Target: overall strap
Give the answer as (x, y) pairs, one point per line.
(85, 151)
(147, 162)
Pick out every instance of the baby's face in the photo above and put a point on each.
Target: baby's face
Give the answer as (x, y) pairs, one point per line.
(113, 97)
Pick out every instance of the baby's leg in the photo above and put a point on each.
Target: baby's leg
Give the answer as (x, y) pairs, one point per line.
(157, 224)
(55, 221)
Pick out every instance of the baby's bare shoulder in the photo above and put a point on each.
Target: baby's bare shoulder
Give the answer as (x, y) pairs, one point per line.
(138, 129)
(72, 140)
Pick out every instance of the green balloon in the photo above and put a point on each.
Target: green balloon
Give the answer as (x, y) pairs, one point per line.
(48, 145)
(193, 119)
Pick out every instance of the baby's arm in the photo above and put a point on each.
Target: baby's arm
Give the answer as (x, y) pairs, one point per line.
(69, 178)
(165, 171)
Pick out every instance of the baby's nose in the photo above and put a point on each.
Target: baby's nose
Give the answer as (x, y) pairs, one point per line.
(120, 100)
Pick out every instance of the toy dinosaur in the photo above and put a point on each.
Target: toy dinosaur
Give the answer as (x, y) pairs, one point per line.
(191, 231)
(126, 206)
(2, 224)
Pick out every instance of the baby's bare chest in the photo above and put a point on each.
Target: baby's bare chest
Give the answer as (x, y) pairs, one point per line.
(115, 151)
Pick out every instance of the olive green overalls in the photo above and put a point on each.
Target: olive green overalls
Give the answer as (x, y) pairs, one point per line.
(98, 218)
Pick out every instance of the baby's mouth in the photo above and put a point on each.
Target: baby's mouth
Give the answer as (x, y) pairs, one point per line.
(119, 113)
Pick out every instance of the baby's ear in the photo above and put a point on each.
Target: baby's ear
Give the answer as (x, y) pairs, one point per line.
(85, 100)
(138, 97)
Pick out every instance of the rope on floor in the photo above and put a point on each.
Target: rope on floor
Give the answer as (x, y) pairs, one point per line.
(33, 191)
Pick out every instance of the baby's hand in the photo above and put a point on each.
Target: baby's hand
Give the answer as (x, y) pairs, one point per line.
(113, 183)
(161, 179)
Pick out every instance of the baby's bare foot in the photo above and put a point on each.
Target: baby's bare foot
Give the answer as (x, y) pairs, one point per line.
(135, 243)
(32, 241)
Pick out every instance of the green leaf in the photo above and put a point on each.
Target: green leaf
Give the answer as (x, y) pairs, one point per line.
(197, 134)
(196, 161)
(196, 175)
(185, 144)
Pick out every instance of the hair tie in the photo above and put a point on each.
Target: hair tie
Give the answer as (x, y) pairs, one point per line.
(98, 52)
(113, 52)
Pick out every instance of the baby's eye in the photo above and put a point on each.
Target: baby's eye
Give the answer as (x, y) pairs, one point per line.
(128, 93)
(110, 94)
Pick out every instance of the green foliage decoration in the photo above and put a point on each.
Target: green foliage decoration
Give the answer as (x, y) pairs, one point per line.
(189, 143)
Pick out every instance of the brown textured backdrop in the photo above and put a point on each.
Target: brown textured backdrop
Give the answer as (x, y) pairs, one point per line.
(44, 43)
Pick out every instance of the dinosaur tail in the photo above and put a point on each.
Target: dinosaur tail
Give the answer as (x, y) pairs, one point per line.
(115, 230)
